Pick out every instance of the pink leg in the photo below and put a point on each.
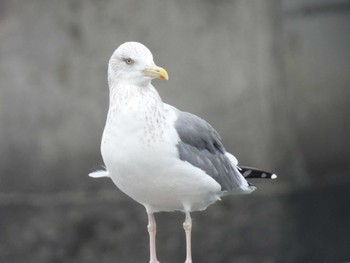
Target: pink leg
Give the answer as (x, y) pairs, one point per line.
(152, 238)
(188, 227)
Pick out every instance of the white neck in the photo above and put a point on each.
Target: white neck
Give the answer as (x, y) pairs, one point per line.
(124, 94)
(139, 107)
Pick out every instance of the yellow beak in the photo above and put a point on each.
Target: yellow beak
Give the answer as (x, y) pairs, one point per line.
(156, 72)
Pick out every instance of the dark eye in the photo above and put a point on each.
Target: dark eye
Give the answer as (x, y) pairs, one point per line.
(128, 61)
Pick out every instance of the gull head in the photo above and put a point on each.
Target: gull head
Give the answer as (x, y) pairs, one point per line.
(132, 63)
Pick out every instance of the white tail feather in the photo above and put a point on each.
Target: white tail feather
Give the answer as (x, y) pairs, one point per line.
(99, 174)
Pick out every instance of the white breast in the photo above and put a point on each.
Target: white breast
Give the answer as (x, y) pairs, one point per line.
(139, 150)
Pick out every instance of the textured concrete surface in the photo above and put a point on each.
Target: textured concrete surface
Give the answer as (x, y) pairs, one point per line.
(271, 76)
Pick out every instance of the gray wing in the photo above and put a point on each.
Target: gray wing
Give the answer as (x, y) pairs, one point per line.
(201, 146)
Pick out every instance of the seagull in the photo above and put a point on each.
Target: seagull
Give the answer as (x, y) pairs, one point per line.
(163, 158)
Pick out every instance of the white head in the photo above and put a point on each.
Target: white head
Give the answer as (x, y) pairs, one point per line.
(133, 63)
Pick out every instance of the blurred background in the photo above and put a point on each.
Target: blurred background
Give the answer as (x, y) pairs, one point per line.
(272, 76)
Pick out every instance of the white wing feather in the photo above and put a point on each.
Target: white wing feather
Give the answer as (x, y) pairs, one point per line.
(232, 158)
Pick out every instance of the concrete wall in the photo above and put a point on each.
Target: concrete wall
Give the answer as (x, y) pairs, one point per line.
(271, 76)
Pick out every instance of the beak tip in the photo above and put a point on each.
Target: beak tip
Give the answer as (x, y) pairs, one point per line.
(164, 77)
(163, 74)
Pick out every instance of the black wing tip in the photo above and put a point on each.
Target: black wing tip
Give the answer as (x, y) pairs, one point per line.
(249, 172)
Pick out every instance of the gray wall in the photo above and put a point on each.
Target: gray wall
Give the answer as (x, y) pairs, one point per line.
(271, 76)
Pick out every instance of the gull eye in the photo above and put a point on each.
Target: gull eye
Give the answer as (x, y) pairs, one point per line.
(128, 61)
